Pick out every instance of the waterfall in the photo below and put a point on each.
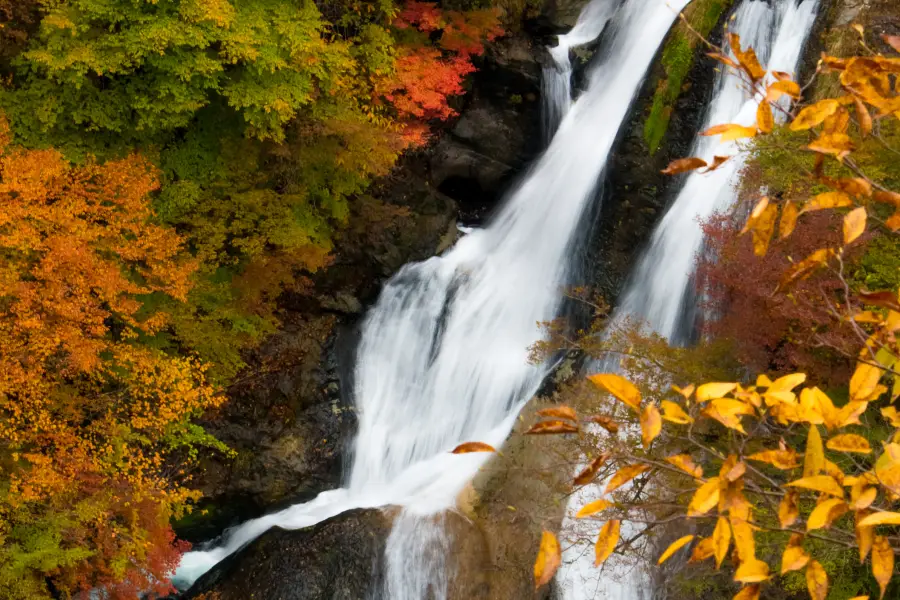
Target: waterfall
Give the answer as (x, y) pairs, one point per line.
(443, 357)
(556, 82)
(660, 291)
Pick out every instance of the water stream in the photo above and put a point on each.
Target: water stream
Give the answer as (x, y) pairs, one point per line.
(443, 355)
(660, 292)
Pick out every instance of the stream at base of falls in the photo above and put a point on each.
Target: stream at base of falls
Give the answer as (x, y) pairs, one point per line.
(443, 357)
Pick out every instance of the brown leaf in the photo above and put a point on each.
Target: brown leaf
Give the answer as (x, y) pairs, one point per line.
(882, 562)
(605, 422)
(683, 165)
(887, 197)
(884, 299)
(855, 186)
(717, 162)
(619, 387)
(559, 412)
(892, 40)
(606, 541)
(703, 550)
(548, 560)
(587, 475)
(551, 427)
(473, 447)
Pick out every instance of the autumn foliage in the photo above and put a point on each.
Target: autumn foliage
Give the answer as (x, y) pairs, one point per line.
(91, 417)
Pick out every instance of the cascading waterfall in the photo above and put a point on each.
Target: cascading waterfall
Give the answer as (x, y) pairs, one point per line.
(443, 356)
(660, 291)
(556, 81)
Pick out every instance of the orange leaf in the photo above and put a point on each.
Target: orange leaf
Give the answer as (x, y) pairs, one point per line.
(558, 412)
(473, 447)
(651, 424)
(551, 427)
(605, 422)
(592, 508)
(683, 165)
(674, 547)
(730, 131)
(789, 214)
(606, 541)
(882, 562)
(623, 476)
(816, 580)
(814, 115)
(686, 464)
(587, 475)
(619, 387)
(765, 121)
(789, 508)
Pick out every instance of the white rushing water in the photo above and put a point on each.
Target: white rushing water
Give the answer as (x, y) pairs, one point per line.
(660, 292)
(443, 356)
(556, 81)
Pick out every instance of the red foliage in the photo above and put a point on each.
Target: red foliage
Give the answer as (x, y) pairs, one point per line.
(783, 332)
(422, 82)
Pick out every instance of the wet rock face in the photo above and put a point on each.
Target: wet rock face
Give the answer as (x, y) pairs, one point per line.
(338, 559)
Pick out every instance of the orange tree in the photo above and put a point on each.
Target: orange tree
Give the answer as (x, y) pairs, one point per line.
(89, 416)
(773, 473)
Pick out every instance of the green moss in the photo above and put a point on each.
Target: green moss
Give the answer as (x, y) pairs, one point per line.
(677, 60)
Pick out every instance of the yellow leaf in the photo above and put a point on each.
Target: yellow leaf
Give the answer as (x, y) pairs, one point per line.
(806, 267)
(748, 592)
(849, 442)
(742, 532)
(880, 518)
(863, 116)
(782, 88)
(890, 413)
(819, 483)
(686, 464)
(686, 391)
(882, 562)
(732, 469)
(765, 121)
(592, 508)
(623, 476)
(651, 424)
(838, 144)
(814, 115)
(473, 447)
(763, 228)
(793, 559)
(780, 459)
(730, 131)
(787, 383)
(865, 536)
(825, 512)
(814, 459)
(705, 498)
(816, 580)
(752, 571)
(854, 224)
(747, 58)
(828, 200)
(865, 498)
(721, 540)
(548, 559)
(674, 547)
(674, 413)
(709, 391)
(683, 165)
(789, 214)
(590, 472)
(619, 387)
(864, 381)
(702, 551)
(606, 541)
(559, 412)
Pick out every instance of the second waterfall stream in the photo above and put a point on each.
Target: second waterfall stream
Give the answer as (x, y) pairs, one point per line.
(660, 292)
(444, 353)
